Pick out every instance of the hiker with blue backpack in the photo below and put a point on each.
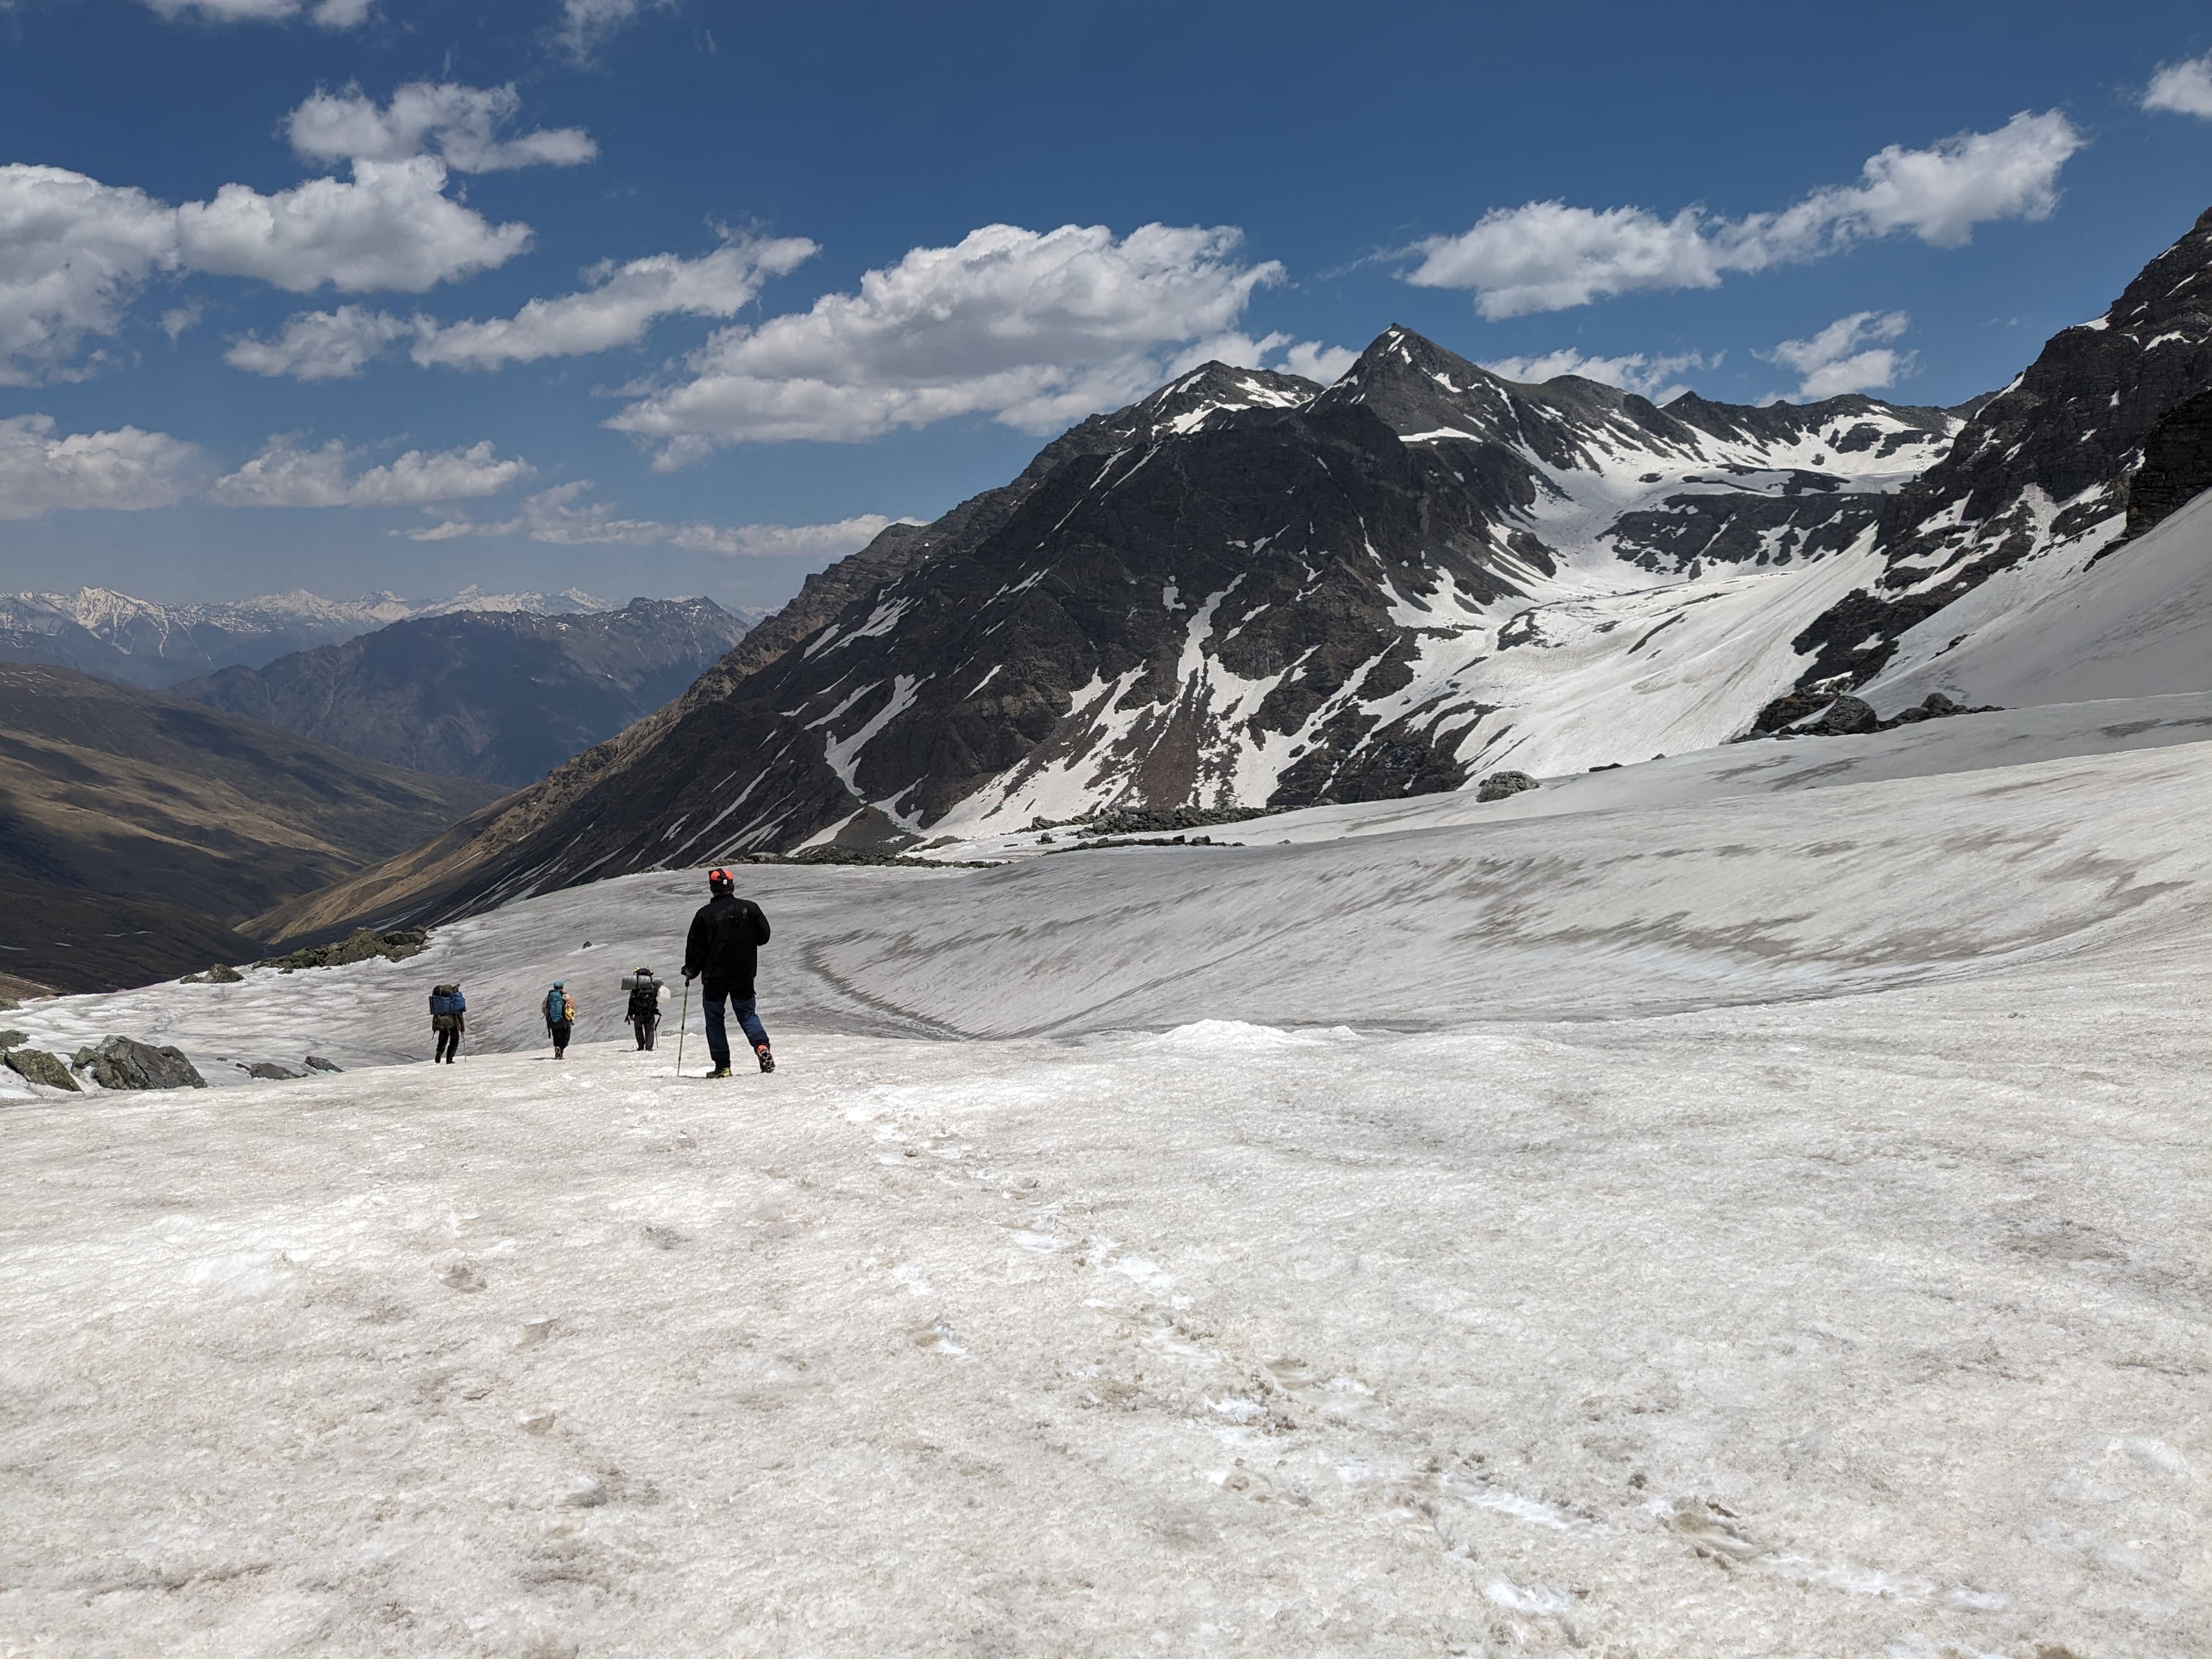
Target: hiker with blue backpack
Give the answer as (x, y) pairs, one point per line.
(560, 1017)
(448, 1018)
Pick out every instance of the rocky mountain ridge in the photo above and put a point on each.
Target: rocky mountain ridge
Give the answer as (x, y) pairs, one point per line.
(1362, 547)
(501, 696)
(134, 642)
(139, 834)
(1243, 592)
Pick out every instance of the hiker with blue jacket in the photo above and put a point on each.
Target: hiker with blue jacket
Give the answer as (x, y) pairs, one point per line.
(560, 1017)
(448, 1018)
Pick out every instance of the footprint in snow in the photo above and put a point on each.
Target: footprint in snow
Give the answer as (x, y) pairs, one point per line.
(461, 1276)
(936, 1337)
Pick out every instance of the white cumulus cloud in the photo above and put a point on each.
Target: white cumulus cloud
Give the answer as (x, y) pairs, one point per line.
(621, 303)
(390, 226)
(586, 23)
(1548, 256)
(1658, 378)
(1035, 329)
(563, 518)
(461, 124)
(321, 345)
(324, 13)
(1316, 361)
(285, 475)
(2183, 88)
(73, 253)
(124, 471)
(1850, 355)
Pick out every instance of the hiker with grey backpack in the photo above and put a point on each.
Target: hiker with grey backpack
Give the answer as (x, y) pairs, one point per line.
(644, 1011)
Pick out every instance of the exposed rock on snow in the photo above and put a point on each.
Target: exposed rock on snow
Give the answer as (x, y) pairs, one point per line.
(122, 1062)
(37, 1065)
(1844, 717)
(2176, 464)
(396, 945)
(1498, 785)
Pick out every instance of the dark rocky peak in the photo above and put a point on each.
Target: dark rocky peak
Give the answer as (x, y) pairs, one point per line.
(1416, 387)
(2176, 464)
(2173, 291)
(2070, 426)
(1427, 394)
(1847, 425)
(1212, 389)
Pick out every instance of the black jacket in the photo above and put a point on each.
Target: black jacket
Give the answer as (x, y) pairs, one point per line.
(723, 944)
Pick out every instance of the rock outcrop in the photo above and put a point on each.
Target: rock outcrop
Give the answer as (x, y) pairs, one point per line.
(37, 1065)
(122, 1062)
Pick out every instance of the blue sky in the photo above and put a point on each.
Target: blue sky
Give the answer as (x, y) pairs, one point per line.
(268, 267)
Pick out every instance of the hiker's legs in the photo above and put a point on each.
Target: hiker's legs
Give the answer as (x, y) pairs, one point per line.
(449, 1044)
(649, 1033)
(561, 1040)
(749, 1016)
(717, 1036)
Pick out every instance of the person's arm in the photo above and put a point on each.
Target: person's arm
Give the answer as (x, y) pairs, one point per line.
(760, 926)
(694, 946)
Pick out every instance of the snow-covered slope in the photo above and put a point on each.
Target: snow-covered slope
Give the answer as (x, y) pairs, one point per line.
(1853, 1308)
(2126, 622)
(1753, 873)
(96, 630)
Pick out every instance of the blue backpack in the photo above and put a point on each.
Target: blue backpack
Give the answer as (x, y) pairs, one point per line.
(556, 1012)
(447, 1002)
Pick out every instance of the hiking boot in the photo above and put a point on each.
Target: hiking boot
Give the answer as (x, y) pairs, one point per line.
(767, 1060)
(720, 1071)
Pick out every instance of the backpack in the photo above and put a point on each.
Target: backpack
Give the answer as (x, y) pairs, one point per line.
(446, 1000)
(558, 1008)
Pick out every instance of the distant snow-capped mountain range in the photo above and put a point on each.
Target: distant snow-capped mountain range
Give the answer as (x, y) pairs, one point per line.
(141, 642)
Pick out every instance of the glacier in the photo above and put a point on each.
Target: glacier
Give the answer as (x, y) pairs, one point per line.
(1749, 1202)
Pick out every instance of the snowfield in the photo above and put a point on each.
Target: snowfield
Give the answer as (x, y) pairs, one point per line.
(1753, 1203)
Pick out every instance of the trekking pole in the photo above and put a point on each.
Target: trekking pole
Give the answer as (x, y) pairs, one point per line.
(680, 1024)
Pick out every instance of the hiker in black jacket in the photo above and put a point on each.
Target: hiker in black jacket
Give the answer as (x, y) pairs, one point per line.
(723, 948)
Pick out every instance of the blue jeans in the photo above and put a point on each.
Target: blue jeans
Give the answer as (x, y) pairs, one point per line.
(717, 1036)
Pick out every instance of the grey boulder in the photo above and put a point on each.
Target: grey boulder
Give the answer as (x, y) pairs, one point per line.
(270, 1069)
(1498, 785)
(1845, 717)
(37, 1065)
(122, 1062)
